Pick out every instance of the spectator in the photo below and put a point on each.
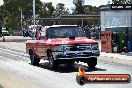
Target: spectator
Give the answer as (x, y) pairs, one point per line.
(87, 31)
(0, 29)
(33, 33)
(38, 30)
(99, 30)
(43, 30)
(23, 32)
(92, 32)
(96, 32)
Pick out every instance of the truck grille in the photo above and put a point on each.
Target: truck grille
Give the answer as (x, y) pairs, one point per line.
(78, 47)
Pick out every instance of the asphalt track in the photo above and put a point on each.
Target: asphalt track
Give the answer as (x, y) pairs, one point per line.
(17, 63)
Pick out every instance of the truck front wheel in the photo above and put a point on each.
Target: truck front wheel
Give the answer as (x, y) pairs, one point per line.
(52, 63)
(92, 62)
(34, 60)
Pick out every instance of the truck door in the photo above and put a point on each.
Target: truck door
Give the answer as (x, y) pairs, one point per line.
(41, 46)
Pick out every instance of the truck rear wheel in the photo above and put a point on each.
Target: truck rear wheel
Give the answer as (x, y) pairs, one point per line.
(34, 60)
(92, 62)
(52, 63)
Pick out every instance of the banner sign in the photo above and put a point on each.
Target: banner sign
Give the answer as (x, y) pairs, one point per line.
(106, 38)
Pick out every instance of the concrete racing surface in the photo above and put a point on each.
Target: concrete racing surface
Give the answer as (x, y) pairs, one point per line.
(9, 80)
(15, 70)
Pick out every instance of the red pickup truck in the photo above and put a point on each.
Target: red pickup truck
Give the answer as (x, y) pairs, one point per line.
(63, 44)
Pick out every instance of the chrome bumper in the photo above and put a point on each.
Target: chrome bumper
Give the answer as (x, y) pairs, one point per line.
(76, 54)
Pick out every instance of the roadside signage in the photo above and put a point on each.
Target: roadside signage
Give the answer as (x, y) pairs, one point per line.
(106, 38)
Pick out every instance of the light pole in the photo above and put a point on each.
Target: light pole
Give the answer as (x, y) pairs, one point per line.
(34, 18)
(21, 17)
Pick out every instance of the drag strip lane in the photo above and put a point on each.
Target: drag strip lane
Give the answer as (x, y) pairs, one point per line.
(18, 63)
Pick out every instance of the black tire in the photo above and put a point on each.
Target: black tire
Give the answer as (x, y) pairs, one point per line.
(52, 63)
(70, 64)
(34, 60)
(92, 62)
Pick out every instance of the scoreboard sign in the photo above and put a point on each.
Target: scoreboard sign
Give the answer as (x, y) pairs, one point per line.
(116, 7)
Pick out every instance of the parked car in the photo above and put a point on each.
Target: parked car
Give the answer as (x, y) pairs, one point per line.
(5, 33)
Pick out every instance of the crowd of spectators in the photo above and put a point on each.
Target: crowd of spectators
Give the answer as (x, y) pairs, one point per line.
(93, 32)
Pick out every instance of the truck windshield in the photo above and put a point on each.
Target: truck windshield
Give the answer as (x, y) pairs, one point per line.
(65, 32)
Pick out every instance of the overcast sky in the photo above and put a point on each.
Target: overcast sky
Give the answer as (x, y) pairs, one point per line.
(69, 3)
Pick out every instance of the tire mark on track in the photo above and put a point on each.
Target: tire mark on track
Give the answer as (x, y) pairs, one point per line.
(18, 56)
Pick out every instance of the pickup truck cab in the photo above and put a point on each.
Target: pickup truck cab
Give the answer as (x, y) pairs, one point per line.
(63, 44)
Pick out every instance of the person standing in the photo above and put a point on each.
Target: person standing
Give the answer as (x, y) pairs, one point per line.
(0, 29)
(87, 31)
(23, 32)
(93, 32)
(33, 33)
(43, 30)
(38, 32)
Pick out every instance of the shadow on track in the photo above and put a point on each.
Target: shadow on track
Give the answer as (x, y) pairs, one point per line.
(63, 68)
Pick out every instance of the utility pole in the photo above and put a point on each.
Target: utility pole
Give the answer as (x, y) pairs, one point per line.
(34, 19)
(21, 17)
(34, 13)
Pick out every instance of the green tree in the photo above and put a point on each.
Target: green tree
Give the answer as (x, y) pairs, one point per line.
(129, 2)
(47, 10)
(5, 1)
(1, 13)
(79, 7)
(91, 10)
(61, 10)
(12, 12)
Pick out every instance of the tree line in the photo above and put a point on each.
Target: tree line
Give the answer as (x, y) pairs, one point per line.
(12, 11)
